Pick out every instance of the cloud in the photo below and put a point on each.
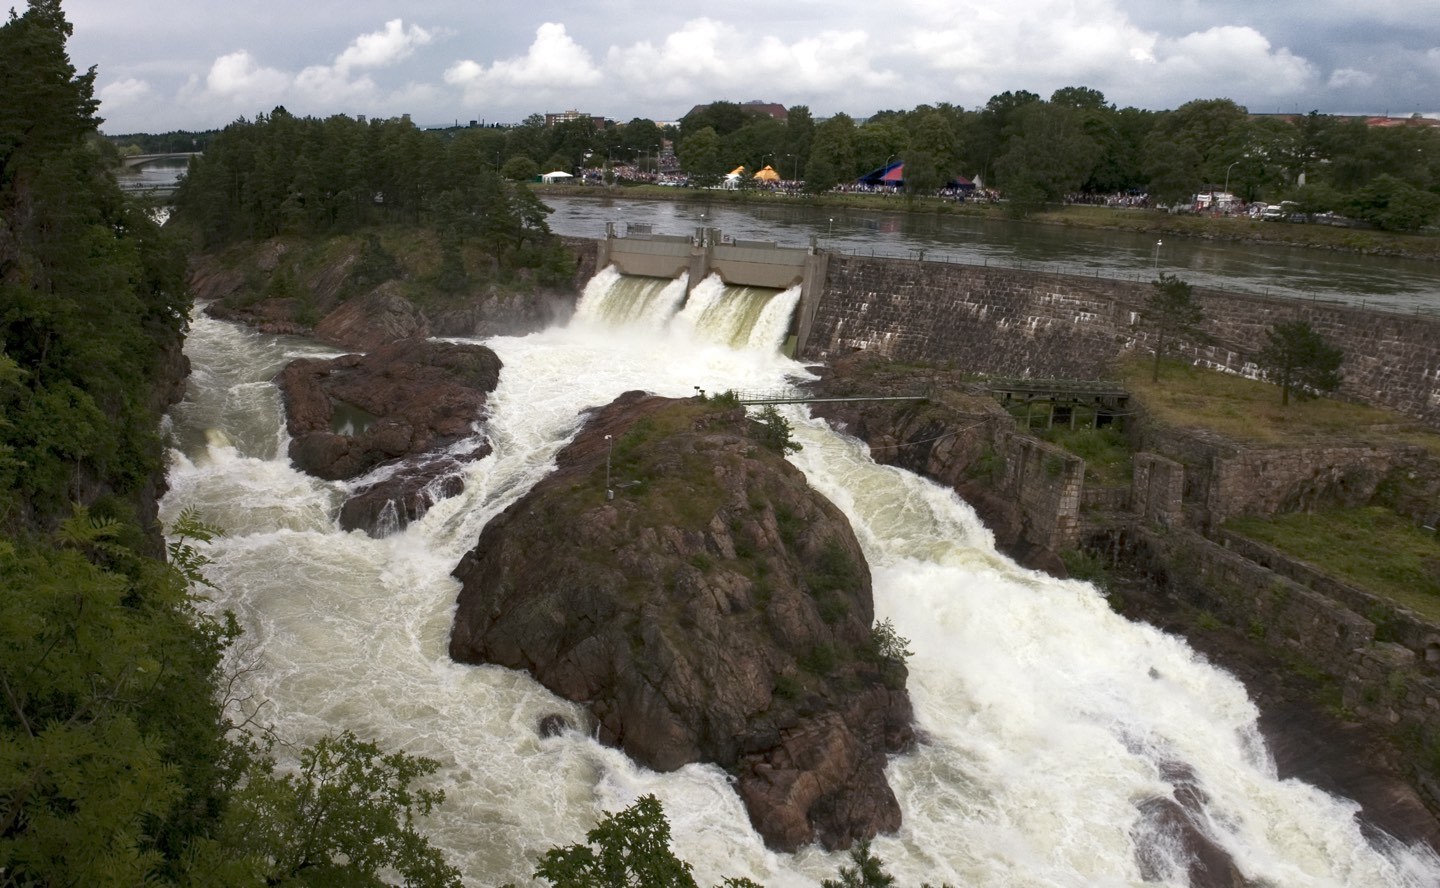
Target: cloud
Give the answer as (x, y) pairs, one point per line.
(130, 91)
(239, 81)
(1342, 78)
(238, 74)
(1225, 61)
(553, 64)
(706, 55)
(382, 48)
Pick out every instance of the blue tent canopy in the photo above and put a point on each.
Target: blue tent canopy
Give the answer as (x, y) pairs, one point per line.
(894, 175)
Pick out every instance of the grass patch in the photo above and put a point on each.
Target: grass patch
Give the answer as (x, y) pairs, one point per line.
(1369, 547)
(1105, 451)
(1247, 410)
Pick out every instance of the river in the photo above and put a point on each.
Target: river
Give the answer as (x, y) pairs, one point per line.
(1402, 285)
(1048, 719)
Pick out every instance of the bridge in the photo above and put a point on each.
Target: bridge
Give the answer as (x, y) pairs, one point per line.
(135, 161)
(1046, 403)
(798, 396)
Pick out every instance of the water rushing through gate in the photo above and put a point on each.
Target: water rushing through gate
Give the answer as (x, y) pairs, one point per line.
(1048, 719)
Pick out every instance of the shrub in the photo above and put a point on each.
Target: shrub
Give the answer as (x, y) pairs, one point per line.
(889, 644)
(773, 431)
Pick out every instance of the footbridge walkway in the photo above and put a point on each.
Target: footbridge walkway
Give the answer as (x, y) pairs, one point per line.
(800, 396)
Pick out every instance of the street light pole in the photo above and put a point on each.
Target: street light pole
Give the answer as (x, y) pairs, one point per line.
(1227, 175)
(1157, 255)
(609, 446)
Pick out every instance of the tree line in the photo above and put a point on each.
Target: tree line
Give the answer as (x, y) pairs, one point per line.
(120, 762)
(1038, 151)
(1035, 151)
(282, 175)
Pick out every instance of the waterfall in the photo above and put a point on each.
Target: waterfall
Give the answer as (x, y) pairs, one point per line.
(1049, 720)
(630, 301)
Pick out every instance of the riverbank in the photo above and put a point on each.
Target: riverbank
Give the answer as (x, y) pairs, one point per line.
(1366, 242)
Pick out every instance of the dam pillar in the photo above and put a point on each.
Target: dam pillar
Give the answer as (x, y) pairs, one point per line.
(812, 286)
(699, 266)
(602, 252)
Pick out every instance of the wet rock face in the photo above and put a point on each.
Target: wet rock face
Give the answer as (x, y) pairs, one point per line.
(405, 417)
(718, 610)
(1172, 834)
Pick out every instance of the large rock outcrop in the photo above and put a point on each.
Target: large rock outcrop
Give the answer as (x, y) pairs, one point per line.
(406, 416)
(716, 609)
(350, 291)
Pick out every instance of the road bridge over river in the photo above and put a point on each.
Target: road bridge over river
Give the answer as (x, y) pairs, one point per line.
(136, 161)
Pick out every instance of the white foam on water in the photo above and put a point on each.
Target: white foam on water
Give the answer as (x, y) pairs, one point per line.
(1047, 717)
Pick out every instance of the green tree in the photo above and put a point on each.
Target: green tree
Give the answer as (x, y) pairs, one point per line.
(987, 139)
(701, 158)
(520, 168)
(346, 816)
(628, 849)
(1048, 155)
(1191, 147)
(1394, 205)
(868, 871)
(773, 431)
(832, 154)
(1299, 360)
(1172, 313)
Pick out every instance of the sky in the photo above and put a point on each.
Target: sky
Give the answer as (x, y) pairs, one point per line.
(200, 64)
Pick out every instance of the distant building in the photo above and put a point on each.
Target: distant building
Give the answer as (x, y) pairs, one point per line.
(552, 118)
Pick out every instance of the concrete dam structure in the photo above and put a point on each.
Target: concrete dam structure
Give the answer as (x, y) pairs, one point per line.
(709, 252)
(1019, 323)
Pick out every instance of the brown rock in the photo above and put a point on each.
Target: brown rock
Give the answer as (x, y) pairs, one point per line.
(418, 405)
(371, 321)
(719, 610)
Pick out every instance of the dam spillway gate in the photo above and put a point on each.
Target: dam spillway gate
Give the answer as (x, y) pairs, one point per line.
(737, 262)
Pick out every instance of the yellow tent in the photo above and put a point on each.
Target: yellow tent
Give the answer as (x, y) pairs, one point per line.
(738, 171)
(767, 174)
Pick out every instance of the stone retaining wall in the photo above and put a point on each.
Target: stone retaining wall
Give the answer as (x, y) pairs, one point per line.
(1024, 323)
(1385, 682)
(1393, 622)
(1046, 481)
(1223, 479)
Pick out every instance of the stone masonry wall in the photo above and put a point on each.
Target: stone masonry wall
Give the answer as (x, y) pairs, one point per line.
(1384, 682)
(1223, 479)
(1024, 323)
(1046, 481)
(1395, 622)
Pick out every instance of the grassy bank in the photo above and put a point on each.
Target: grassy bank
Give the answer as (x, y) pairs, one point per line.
(1323, 237)
(1371, 547)
(1247, 410)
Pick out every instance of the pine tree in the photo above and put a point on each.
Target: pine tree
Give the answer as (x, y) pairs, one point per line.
(1171, 311)
(1299, 360)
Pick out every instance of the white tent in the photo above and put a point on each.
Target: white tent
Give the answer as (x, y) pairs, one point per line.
(556, 176)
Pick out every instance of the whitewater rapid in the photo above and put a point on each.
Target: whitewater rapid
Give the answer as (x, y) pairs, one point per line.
(1047, 718)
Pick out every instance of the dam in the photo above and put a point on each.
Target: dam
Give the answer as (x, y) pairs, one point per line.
(1020, 323)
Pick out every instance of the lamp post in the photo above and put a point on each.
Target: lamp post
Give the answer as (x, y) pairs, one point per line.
(1157, 255)
(831, 230)
(609, 446)
(1227, 175)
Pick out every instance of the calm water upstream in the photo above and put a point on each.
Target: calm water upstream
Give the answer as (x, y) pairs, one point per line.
(1393, 284)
